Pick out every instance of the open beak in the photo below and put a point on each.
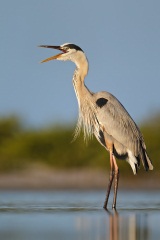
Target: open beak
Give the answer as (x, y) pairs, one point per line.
(53, 57)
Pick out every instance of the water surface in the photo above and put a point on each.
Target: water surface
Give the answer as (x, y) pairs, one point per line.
(78, 215)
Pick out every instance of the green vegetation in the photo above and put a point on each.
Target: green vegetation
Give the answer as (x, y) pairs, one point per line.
(21, 148)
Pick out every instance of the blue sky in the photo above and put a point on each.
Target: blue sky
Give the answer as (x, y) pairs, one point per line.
(120, 38)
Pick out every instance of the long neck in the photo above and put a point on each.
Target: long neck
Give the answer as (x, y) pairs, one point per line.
(82, 92)
(86, 119)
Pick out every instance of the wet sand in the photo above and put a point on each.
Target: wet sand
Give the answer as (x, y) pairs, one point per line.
(44, 178)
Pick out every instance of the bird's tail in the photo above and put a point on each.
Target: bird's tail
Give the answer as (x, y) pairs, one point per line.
(147, 163)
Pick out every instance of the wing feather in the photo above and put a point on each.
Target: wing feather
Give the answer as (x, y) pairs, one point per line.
(118, 123)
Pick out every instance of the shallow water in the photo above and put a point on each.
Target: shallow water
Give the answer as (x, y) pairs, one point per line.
(79, 215)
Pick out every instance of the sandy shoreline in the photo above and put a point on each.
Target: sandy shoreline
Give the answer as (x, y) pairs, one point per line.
(47, 179)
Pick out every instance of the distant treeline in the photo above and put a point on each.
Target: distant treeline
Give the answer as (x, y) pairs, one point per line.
(21, 148)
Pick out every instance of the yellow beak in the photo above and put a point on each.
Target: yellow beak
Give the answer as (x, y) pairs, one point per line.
(53, 57)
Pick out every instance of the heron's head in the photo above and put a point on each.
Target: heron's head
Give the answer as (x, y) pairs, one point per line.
(70, 52)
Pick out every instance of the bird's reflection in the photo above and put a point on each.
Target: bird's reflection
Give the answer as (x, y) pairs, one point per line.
(115, 226)
(128, 226)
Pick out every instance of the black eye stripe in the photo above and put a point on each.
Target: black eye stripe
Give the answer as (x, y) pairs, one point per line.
(73, 46)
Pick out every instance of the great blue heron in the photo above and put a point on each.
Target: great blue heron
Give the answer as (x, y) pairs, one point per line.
(104, 116)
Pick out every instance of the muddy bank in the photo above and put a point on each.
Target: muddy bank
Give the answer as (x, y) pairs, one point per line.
(38, 178)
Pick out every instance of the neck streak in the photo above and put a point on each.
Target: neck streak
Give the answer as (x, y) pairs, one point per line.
(87, 108)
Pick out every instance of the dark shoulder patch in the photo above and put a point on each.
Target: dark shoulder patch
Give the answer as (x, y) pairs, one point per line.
(101, 102)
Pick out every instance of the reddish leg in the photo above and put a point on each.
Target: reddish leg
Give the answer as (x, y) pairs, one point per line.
(110, 181)
(114, 174)
(116, 180)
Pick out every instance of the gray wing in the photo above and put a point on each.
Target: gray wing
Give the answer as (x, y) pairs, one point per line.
(116, 121)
